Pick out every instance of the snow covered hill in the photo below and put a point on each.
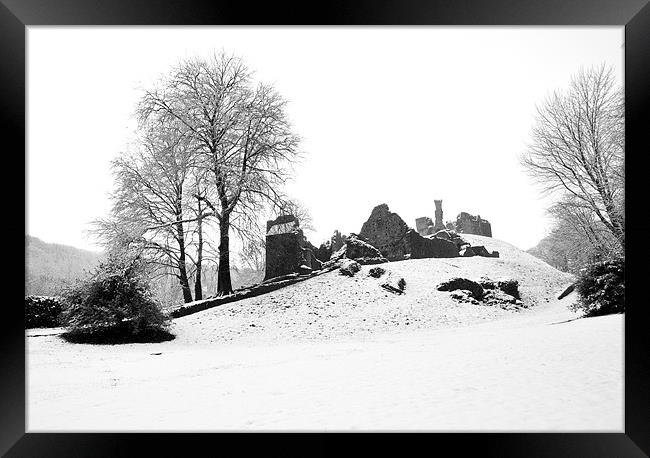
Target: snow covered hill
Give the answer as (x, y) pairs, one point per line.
(332, 305)
(341, 353)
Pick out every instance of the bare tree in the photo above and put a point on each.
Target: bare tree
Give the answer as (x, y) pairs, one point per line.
(292, 206)
(577, 151)
(151, 201)
(577, 238)
(199, 189)
(253, 254)
(242, 134)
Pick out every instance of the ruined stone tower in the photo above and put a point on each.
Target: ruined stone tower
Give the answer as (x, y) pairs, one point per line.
(439, 225)
(287, 249)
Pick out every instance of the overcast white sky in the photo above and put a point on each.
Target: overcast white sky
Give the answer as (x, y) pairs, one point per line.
(391, 115)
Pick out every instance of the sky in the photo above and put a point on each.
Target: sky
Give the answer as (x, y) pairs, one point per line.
(395, 115)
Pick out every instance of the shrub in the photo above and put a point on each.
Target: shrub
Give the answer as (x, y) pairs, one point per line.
(376, 272)
(349, 267)
(510, 287)
(601, 288)
(462, 283)
(42, 312)
(115, 305)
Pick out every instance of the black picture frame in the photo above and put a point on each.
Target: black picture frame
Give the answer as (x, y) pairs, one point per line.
(15, 15)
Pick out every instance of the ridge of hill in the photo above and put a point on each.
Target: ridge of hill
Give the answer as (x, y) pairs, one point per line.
(50, 265)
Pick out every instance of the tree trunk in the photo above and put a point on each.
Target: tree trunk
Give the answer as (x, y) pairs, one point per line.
(182, 268)
(185, 283)
(224, 284)
(198, 287)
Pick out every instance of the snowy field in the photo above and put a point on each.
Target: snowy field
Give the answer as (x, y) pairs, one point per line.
(339, 353)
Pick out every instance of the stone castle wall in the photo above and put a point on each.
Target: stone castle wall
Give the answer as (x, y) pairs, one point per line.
(424, 226)
(287, 250)
(470, 224)
(389, 233)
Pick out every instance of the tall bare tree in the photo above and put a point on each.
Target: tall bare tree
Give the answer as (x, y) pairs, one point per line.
(241, 132)
(152, 201)
(577, 149)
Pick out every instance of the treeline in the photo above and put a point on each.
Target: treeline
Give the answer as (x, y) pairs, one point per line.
(577, 155)
(51, 268)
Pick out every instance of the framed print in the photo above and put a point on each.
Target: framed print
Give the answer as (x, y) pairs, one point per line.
(372, 218)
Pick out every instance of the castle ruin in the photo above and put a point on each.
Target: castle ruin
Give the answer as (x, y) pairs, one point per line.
(438, 214)
(425, 226)
(289, 252)
(465, 223)
(470, 224)
(389, 233)
(287, 249)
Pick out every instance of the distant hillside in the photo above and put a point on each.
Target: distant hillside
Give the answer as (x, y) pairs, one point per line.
(49, 265)
(541, 249)
(552, 251)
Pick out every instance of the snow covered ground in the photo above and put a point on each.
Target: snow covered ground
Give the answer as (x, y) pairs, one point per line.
(339, 353)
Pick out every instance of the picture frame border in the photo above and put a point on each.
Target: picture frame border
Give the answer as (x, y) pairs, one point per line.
(17, 15)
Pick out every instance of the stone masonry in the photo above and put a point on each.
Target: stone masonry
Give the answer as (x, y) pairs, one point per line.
(470, 224)
(387, 232)
(439, 224)
(287, 249)
(425, 226)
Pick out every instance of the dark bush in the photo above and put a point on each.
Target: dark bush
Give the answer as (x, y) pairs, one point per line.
(114, 306)
(486, 283)
(462, 283)
(510, 287)
(601, 288)
(42, 312)
(376, 272)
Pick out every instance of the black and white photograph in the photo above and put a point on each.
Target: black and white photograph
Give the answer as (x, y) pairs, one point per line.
(325, 229)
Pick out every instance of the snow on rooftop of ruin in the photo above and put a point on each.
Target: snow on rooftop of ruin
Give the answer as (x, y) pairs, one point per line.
(282, 228)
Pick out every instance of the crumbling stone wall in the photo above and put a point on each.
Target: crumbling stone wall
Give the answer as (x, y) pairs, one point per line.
(424, 226)
(337, 241)
(387, 232)
(360, 251)
(470, 224)
(331, 246)
(287, 249)
(429, 247)
(469, 251)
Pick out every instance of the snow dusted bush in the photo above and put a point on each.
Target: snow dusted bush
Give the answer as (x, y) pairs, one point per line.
(601, 288)
(462, 283)
(42, 312)
(376, 272)
(349, 267)
(115, 305)
(510, 287)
